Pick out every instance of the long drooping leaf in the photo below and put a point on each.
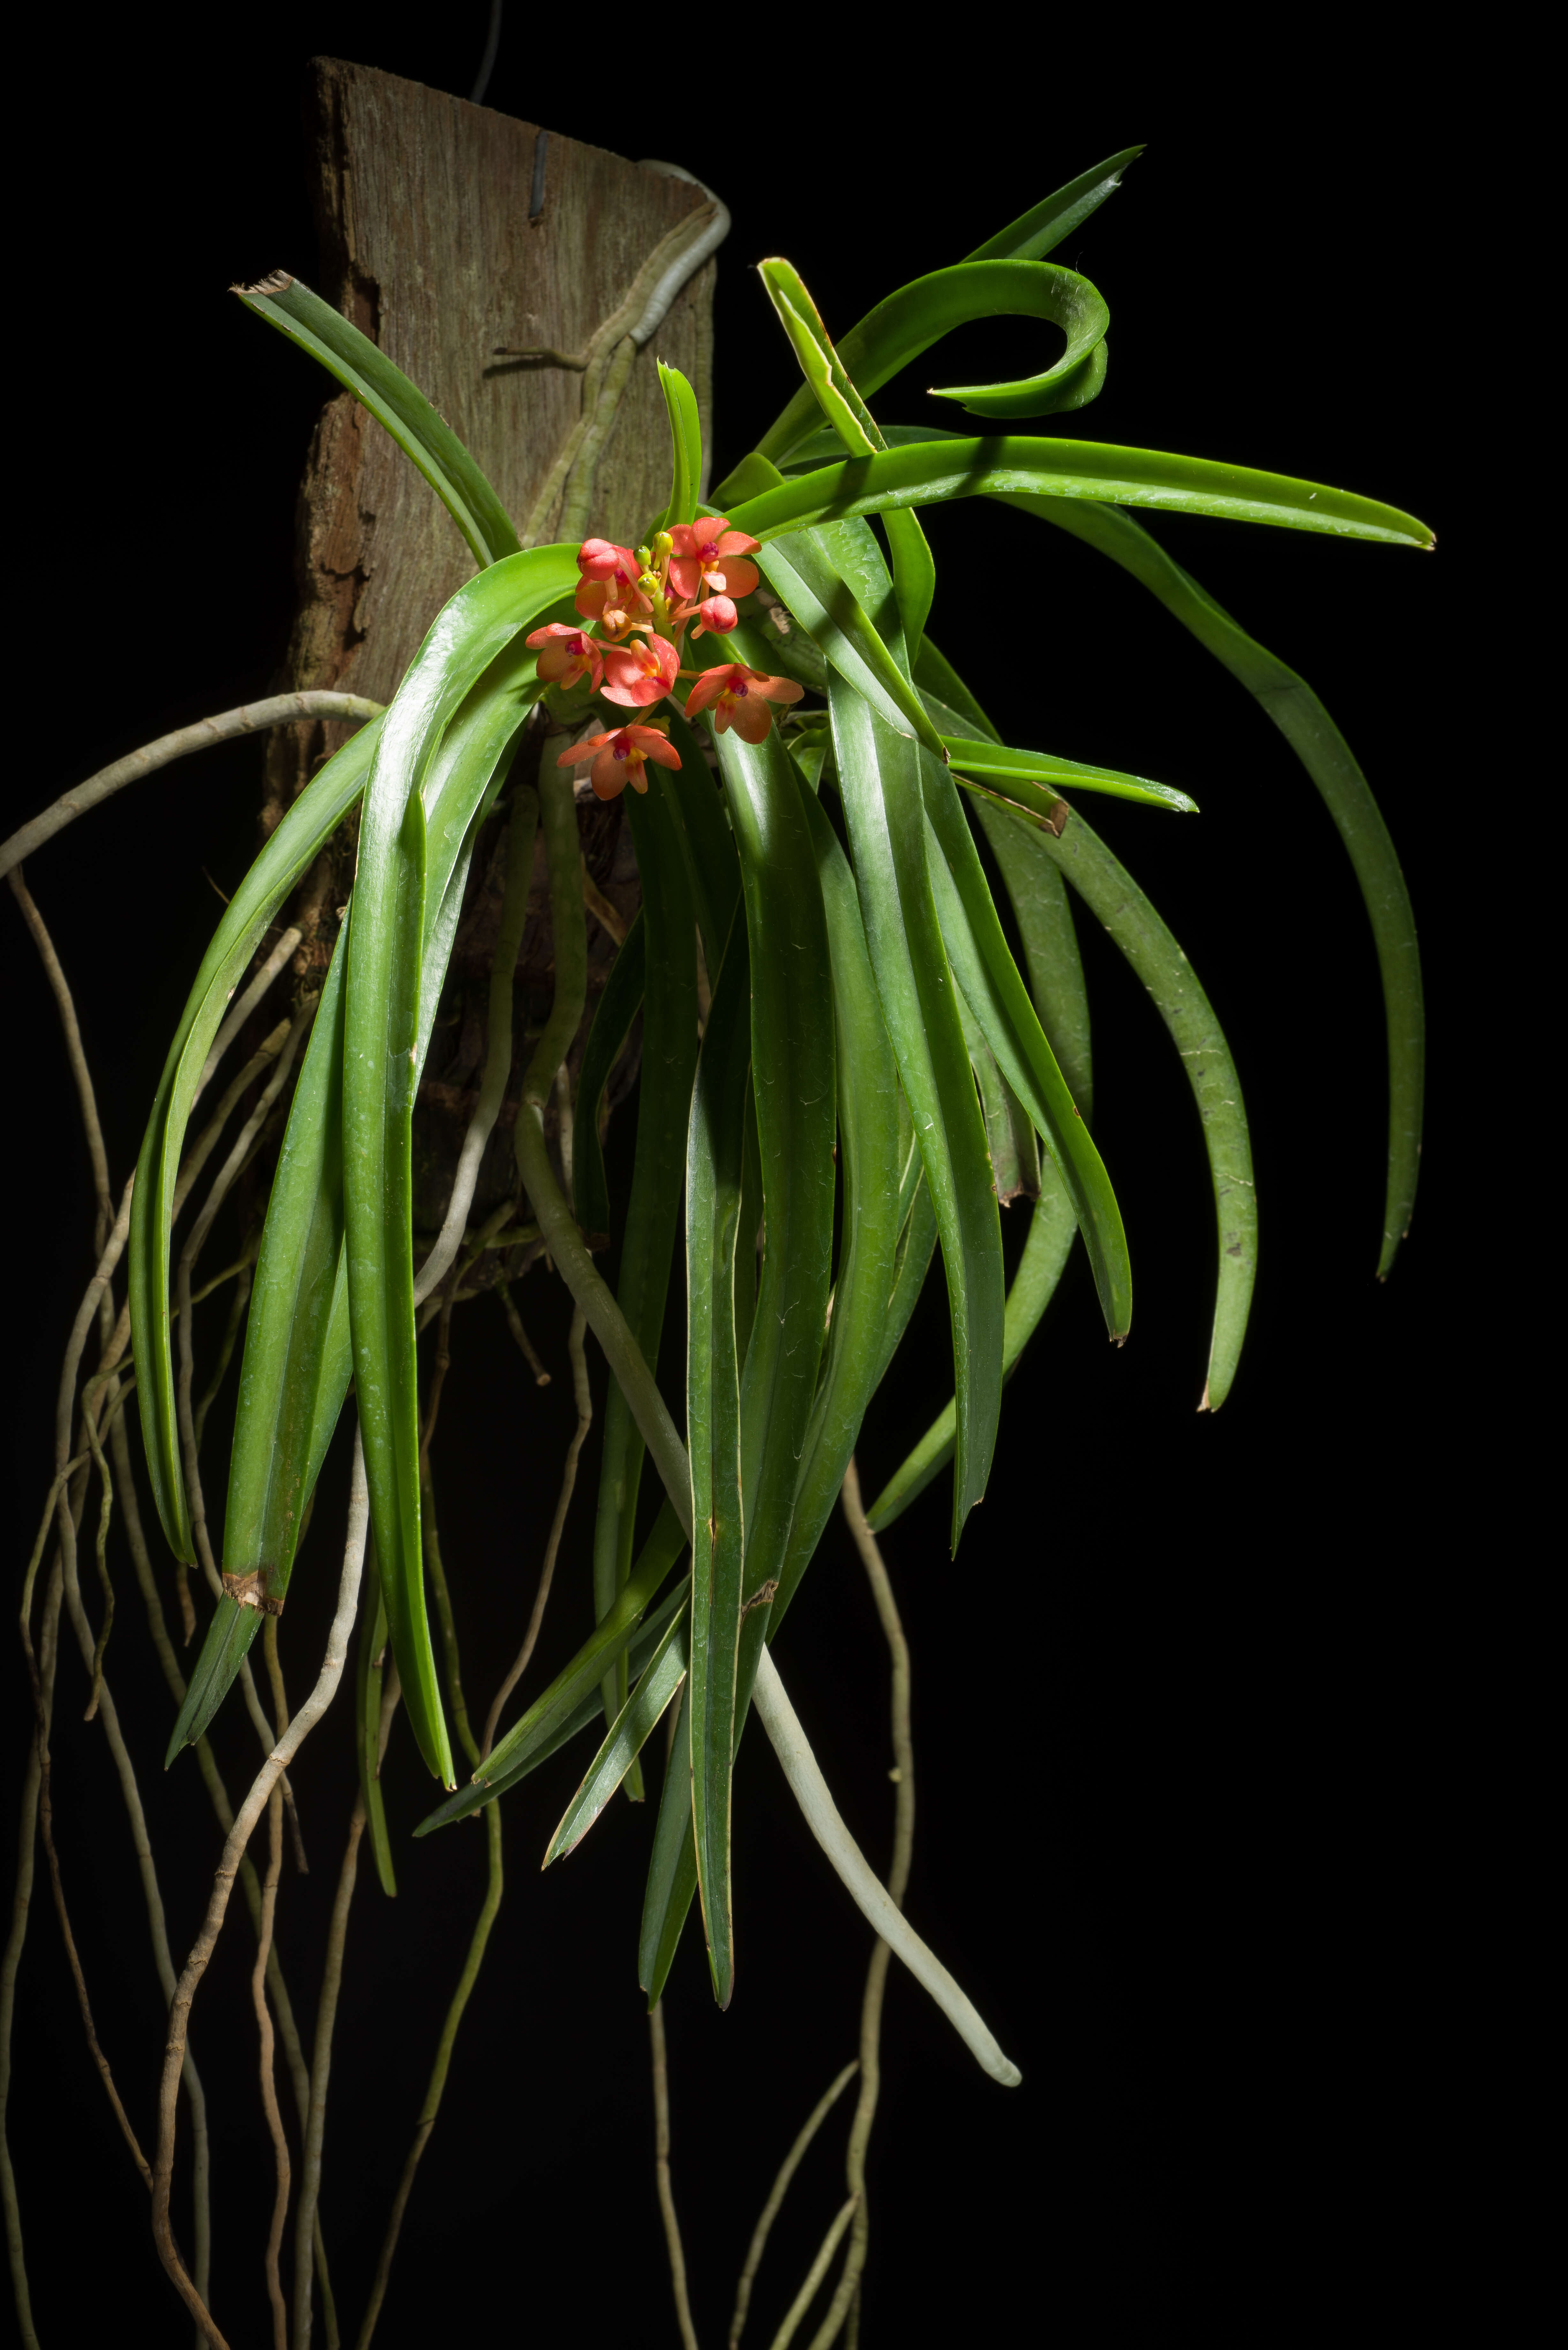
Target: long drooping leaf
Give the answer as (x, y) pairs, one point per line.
(880, 777)
(1295, 710)
(570, 1701)
(1012, 467)
(1053, 1228)
(689, 796)
(640, 1716)
(485, 620)
(1039, 901)
(983, 965)
(297, 1353)
(282, 1369)
(792, 1082)
(394, 402)
(1012, 767)
(1112, 895)
(309, 823)
(584, 1715)
(653, 1212)
(873, 1215)
(793, 1060)
(618, 1007)
(370, 1675)
(714, 1154)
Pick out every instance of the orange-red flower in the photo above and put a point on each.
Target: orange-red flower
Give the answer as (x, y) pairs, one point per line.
(600, 558)
(565, 655)
(620, 757)
(617, 605)
(739, 697)
(717, 613)
(640, 672)
(708, 553)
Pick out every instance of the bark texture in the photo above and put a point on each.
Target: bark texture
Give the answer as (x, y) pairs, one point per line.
(429, 242)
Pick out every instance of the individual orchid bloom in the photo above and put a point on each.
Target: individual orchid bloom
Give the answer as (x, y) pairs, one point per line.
(739, 697)
(600, 558)
(640, 672)
(716, 615)
(616, 605)
(708, 553)
(620, 757)
(566, 654)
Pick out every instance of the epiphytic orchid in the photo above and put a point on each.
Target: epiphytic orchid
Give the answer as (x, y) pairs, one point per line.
(843, 1075)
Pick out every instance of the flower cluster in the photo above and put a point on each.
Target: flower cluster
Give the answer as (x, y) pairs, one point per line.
(637, 608)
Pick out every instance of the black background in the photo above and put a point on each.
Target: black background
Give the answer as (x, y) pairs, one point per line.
(1200, 1708)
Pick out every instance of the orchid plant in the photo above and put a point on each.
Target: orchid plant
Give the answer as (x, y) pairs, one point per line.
(844, 1073)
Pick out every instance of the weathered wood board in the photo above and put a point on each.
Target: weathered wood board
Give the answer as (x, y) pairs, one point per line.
(423, 207)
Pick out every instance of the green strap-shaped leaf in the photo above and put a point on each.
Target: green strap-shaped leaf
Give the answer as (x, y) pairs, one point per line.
(686, 442)
(635, 1724)
(689, 798)
(1009, 1138)
(282, 1369)
(985, 970)
(1012, 467)
(653, 1212)
(793, 1059)
(922, 313)
(1039, 901)
(369, 1676)
(793, 1087)
(572, 1698)
(618, 1007)
(1052, 1228)
(298, 1356)
(310, 822)
(1112, 895)
(947, 700)
(909, 320)
(806, 572)
(671, 1869)
(873, 1210)
(1013, 767)
(291, 1308)
(879, 779)
(382, 1022)
(584, 1715)
(394, 402)
(1045, 224)
(914, 572)
(714, 1353)
(1295, 710)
